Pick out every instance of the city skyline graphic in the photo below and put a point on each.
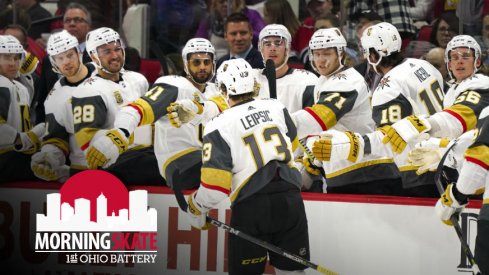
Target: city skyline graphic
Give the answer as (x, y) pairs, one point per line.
(95, 200)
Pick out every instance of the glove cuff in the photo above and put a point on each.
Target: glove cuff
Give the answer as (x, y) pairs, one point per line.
(119, 139)
(194, 207)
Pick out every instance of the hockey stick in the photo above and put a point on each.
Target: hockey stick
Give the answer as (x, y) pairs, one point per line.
(271, 77)
(183, 205)
(454, 217)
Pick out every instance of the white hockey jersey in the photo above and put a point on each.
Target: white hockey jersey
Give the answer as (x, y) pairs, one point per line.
(413, 87)
(172, 144)
(59, 120)
(96, 102)
(14, 112)
(295, 89)
(463, 104)
(245, 147)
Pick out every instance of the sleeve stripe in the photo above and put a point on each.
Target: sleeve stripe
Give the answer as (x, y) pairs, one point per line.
(145, 111)
(217, 177)
(215, 188)
(459, 118)
(139, 112)
(317, 118)
(478, 162)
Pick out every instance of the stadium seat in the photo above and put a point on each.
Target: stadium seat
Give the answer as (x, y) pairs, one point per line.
(425, 33)
(150, 69)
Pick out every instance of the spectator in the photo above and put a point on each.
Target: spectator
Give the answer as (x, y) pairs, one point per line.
(436, 57)
(238, 35)
(212, 27)
(36, 12)
(315, 8)
(483, 39)
(444, 29)
(280, 12)
(77, 21)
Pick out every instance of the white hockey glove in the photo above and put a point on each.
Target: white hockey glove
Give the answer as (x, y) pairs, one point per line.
(49, 164)
(105, 149)
(30, 141)
(336, 145)
(448, 205)
(427, 154)
(407, 130)
(183, 111)
(197, 215)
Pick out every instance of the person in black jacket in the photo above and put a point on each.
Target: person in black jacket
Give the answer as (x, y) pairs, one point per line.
(239, 34)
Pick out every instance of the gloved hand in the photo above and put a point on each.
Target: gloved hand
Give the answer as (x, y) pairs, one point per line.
(406, 130)
(183, 111)
(196, 214)
(48, 164)
(105, 149)
(337, 145)
(448, 205)
(426, 158)
(30, 141)
(29, 65)
(311, 167)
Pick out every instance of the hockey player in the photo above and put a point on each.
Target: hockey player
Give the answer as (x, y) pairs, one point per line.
(66, 59)
(463, 103)
(473, 179)
(18, 140)
(342, 103)
(247, 155)
(295, 87)
(98, 99)
(178, 150)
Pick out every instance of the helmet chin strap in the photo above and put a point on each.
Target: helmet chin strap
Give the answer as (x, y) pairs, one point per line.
(374, 65)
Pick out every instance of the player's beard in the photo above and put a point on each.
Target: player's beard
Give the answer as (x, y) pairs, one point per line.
(200, 79)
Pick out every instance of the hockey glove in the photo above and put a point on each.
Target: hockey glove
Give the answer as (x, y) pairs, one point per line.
(336, 145)
(310, 167)
(183, 111)
(104, 150)
(48, 164)
(407, 130)
(448, 205)
(196, 214)
(30, 141)
(427, 154)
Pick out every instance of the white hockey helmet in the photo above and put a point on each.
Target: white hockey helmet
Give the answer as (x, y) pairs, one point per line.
(384, 38)
(463, 41)
(275, 30)
(60, 42)
(327, 38)
(102, 36)
(198, 45)
(9, 44)
(237, 76)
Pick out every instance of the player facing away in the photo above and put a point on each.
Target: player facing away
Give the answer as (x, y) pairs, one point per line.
(247, 155)
(342, 103)
(18, 139)
(408, 86)
(59, 142)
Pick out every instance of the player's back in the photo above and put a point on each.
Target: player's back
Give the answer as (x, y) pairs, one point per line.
(258, 134)
(412, 87)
